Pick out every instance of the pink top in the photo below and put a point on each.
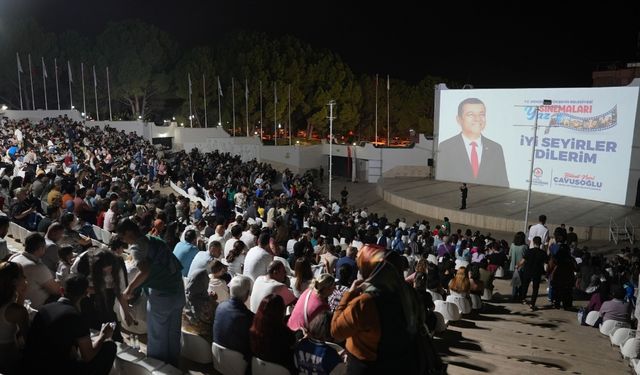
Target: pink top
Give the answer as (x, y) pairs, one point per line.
(314, 306)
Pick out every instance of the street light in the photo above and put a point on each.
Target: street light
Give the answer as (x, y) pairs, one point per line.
(533, 154)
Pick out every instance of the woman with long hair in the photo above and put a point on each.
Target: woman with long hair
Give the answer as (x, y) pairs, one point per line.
(271, 340)
(14, 317)
(107, 282)
(302, 276)
(459, 288)
(235, 258)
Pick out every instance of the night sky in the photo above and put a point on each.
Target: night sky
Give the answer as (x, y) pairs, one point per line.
(542, 44)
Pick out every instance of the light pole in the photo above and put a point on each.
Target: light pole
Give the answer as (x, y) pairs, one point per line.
(533, 154)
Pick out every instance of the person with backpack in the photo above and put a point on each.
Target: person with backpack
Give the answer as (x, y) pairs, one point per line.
(160, 276)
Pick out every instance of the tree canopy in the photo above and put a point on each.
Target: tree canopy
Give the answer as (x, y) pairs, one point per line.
(149, 70)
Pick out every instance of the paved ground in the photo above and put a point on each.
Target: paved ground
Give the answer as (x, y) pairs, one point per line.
(508, 338)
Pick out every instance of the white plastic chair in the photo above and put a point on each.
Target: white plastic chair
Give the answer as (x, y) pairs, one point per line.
(435, 296)
(499, 273)
(487, 295)
(131, 368)
(139, 312)
(621, 335)
(195, 348)
(260, 367)
(151, 364)
(106, 237)
(98, 232)
(476, 302)
(463, 303)
(126, 362)
(449, 310)
(636, 367)
(592, 318)
(167, 369)
(631, 348)
(441, 325)
(608, 327)
(227, 361)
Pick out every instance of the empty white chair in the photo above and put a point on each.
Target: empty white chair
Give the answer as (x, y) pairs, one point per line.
(487, 295)
(441, 325)
(631, 348)
(98, 232)
(195, 348)
(476, 302)
(463, 303)
(260, 367)
(499, 273)
(609, 326)
(592, 318)
(449, 310)
(435, 296)
(106, 237)
(227, 361)
(621, 335)
(139, 312)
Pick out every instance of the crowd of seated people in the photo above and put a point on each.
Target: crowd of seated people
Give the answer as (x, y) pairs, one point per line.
(260, 263)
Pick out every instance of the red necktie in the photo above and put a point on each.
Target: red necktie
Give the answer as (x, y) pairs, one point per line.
(474, 159)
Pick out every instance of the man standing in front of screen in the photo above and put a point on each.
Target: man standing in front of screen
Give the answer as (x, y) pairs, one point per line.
(470, 156)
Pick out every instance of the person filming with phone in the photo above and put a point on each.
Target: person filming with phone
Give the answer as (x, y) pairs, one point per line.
(59, 333)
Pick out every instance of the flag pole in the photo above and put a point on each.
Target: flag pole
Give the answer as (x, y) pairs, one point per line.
(55, 64)
(44, 84)
(388, 111)
(233, 105)
(109, 94)
(19, 80)
(260, 111)
(204, 99)
(275, 114)
(246, 104)
(33, 100)
(70, 80)
(95, 91)
(84, 98)
(190, 107)
(376, 136)
(219, 102)
(289, 115)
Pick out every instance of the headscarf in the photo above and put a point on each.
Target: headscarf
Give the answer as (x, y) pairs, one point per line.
(382, 277)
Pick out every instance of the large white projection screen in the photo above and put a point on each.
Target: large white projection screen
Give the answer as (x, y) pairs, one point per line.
(583, 145)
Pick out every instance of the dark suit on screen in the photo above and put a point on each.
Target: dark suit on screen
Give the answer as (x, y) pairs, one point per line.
(453, 163)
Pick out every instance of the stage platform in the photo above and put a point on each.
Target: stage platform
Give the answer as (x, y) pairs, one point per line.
(503, 209)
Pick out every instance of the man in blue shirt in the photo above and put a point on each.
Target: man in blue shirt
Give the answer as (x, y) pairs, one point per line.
(350, 261)
(186, 250)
